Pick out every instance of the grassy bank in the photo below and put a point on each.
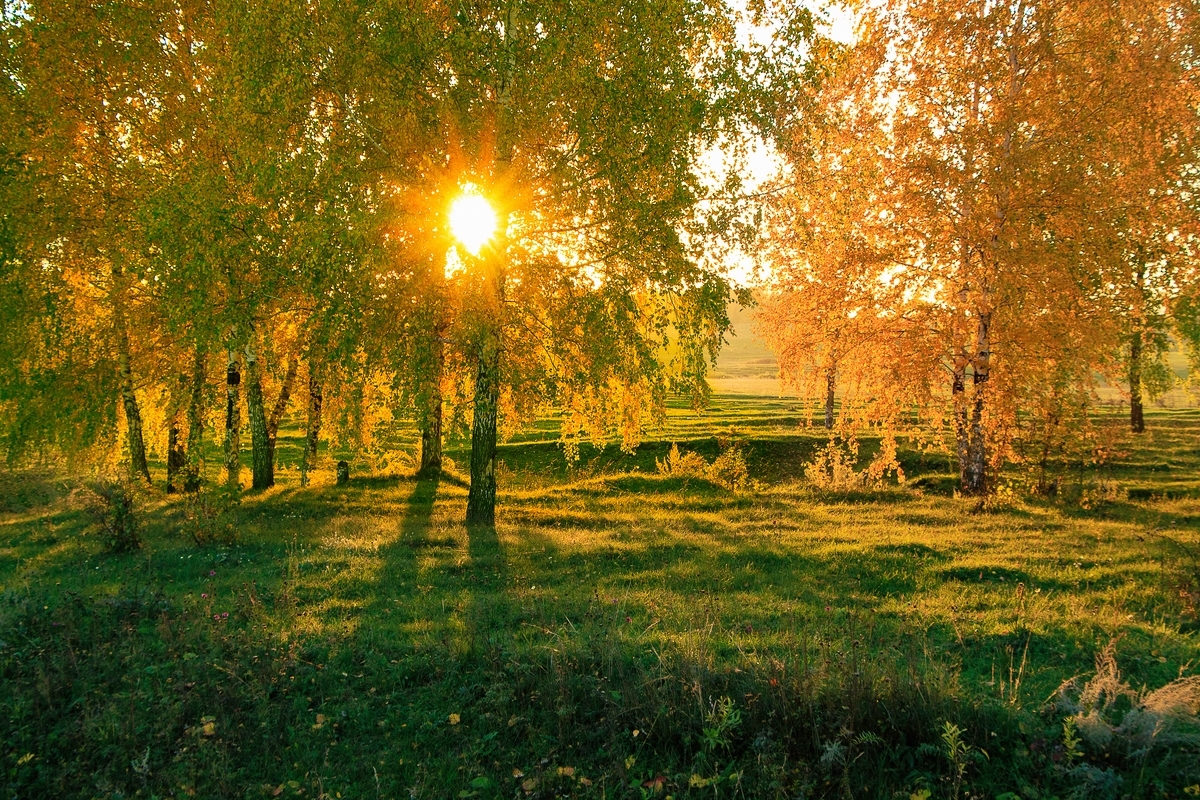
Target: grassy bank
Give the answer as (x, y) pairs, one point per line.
(622, 634)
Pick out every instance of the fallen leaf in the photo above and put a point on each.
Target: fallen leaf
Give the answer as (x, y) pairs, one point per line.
(455, 719)
(656, 783)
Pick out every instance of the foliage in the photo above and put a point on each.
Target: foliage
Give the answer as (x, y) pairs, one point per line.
(962, 271)
(958, 753)
(721, 719)
(277, 205)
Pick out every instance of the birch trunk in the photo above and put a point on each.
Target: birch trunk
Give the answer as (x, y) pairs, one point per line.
(316, 378)
(1137, 419)
(176, 455)
(277, 412)
(195, 437)
(259, 456)
(481, 499)
(431, 418)
(958, 394)
(975, 472)
(830, 387)
(233, 423)
(133, 414)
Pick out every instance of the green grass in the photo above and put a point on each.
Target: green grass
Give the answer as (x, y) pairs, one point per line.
(622, 634)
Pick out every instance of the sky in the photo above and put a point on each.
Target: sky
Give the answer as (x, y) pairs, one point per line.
(762, 161)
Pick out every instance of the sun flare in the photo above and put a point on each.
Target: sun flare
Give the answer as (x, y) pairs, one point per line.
(472, 221)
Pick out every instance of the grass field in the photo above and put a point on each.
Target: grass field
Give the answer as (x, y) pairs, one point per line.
(622, 634)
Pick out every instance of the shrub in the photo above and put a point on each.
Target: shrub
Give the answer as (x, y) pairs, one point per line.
(206, 515)
(111, 505)
(833, 468)
(682, 465)
(1101, 493)
(728, 470)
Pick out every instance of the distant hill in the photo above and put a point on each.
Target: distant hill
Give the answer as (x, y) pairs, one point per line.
(745, 365)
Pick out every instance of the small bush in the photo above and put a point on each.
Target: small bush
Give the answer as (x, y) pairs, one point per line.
(682, 465)
(111, 505)
(1003, 497)
(728, 470)
(833, 468)
(1101, 493)
(207, 518)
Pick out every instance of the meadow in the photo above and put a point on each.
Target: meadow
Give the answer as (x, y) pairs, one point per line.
(622, 633)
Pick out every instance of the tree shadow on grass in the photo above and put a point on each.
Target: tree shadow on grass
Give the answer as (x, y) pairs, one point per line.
(429, 588)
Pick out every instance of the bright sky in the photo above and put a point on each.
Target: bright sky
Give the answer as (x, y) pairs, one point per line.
(762, 163)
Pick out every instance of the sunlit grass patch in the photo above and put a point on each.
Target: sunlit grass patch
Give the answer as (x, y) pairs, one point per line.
(604, 604)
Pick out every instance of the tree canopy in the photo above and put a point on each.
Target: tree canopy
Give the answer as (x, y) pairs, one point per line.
(215, 214)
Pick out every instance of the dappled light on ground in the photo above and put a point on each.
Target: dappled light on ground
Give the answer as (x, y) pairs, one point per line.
(596, 595)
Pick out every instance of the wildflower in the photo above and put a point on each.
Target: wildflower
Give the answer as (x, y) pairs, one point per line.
(225, 615)
(216, 616)
(212, 573)
(203, 595)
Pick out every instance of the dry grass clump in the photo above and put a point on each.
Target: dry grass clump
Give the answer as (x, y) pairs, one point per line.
(1111, 716)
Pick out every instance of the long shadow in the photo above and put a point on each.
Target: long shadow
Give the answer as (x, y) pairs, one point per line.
(488, 610)
(483, 545)
(407, 594)
(397, 599)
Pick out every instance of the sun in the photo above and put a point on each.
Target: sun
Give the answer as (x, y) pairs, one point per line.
(472, 221)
